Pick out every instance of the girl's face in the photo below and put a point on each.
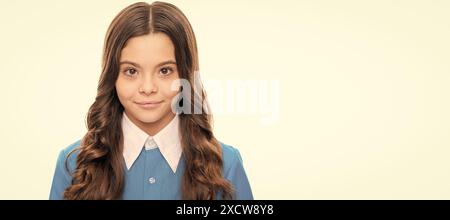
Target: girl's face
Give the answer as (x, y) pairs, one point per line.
(147, 70)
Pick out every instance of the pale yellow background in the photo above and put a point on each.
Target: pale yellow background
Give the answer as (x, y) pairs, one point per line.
(364, 91)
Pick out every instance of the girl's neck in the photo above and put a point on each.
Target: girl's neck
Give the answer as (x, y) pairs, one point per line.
(152, 128)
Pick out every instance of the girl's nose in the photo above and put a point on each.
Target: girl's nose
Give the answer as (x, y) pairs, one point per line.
(148, 85)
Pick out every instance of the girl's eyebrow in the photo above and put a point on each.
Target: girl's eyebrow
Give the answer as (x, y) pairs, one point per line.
(167, 62)
(139, 66)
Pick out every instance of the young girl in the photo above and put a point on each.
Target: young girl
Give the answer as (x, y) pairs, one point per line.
(143, 140)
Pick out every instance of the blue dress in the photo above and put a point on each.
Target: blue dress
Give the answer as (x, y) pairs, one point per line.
(150, 176)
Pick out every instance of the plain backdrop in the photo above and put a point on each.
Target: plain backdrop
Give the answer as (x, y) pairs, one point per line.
(363, 92)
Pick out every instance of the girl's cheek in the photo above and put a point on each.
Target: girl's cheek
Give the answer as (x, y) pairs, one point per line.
(125, 90)
(168, 91)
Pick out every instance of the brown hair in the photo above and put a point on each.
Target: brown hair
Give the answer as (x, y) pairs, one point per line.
(100, 168)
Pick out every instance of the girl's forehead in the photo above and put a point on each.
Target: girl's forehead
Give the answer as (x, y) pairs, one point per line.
(155, 47)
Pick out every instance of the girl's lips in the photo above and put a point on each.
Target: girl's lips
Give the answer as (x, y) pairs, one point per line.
(148, 104)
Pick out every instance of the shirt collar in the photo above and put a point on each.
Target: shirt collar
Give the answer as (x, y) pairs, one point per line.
(167, 140)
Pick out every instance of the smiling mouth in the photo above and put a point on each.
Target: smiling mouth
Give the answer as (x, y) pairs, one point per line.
(148, 104)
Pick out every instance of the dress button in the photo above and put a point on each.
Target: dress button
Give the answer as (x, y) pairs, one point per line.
(150, 144)
(151, 180)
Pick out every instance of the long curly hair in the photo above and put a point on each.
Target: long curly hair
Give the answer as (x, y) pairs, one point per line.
(99, 172)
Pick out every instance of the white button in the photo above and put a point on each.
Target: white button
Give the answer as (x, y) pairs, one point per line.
(151, 180)
(150, 144)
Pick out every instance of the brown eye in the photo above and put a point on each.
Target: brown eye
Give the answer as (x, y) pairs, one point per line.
(165, 70)
(130, 72)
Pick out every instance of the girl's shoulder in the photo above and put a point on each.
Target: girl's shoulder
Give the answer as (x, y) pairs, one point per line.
(70, 154)
(72, 147)
(231, 157)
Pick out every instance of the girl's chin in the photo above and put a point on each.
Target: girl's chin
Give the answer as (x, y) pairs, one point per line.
(148, 119)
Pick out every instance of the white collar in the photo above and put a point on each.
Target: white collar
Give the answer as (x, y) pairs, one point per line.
(168, 141)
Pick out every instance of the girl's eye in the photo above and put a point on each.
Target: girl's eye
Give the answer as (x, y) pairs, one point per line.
(166, 70)
(130, 72)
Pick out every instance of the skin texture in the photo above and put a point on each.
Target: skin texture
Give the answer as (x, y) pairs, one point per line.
(147, 70)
